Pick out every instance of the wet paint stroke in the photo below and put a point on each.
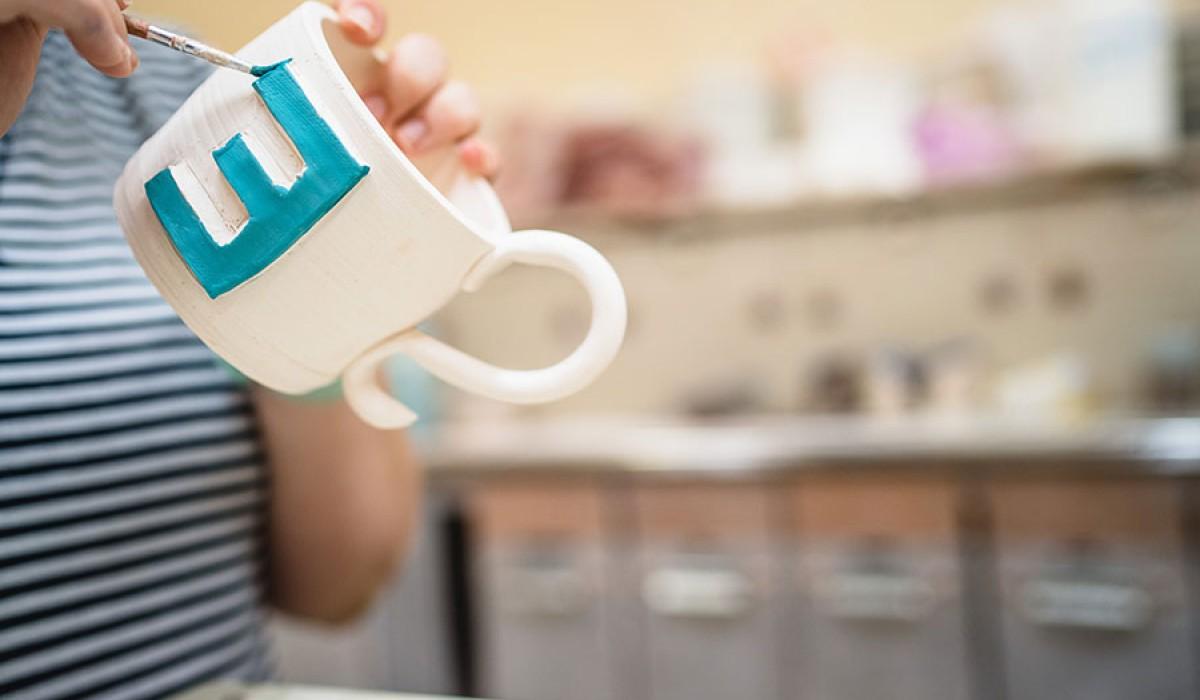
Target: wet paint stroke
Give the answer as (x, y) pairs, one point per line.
(260, 71)
(278, 216)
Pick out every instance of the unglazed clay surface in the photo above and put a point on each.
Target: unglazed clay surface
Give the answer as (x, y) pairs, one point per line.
(278, 216)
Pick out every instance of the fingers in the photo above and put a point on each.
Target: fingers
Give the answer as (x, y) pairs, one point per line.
(450, 116)
(363, 21)
(423, 112)
(97, 31)
(479, 158)
(20, 44)
(95, 27)
(416, 69)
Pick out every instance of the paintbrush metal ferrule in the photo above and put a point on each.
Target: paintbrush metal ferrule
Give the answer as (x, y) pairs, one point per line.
(195, 48)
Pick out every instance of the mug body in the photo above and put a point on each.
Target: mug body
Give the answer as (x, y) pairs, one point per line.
(387, 255)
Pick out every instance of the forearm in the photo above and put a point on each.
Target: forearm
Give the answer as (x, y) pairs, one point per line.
(343, 504)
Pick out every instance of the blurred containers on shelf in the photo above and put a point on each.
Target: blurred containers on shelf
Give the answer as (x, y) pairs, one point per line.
(1029, 86)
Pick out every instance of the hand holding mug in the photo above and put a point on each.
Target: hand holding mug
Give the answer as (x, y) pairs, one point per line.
(417, 105)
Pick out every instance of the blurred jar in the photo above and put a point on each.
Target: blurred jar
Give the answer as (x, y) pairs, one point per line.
(1093, 80)
(858, 113)
(1056, 389)
(1173, 374)
(752, 159)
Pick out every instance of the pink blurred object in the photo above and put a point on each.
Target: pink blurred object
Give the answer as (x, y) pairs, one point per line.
(964, 143)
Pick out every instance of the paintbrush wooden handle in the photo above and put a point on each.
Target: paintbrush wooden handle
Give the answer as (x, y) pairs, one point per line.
(137, 27)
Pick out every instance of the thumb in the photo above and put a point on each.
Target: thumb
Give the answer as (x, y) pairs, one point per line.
(20, 45)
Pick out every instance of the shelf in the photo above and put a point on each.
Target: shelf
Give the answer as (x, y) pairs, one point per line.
(1181, 172)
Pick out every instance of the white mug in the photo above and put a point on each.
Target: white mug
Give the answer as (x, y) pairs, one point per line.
(385, 252)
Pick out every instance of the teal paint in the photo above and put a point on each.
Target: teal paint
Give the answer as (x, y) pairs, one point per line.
(278, 216)
(260, 71)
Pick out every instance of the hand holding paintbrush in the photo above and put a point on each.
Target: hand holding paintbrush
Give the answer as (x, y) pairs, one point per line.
(421, 110)
(96, 30)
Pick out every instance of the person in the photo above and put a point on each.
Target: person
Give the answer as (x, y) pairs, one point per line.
(151, 506)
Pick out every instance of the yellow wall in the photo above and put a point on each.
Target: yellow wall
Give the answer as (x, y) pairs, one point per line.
(542, 48)
(545, 49)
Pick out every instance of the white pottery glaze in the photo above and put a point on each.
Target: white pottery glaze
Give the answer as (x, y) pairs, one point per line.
(348, 294)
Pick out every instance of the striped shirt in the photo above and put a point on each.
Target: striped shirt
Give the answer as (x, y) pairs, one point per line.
(131, 481)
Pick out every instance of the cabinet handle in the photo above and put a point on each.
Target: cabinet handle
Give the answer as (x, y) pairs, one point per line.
(876, 597)
(1086, 605)
(698, 593)
(544, 591)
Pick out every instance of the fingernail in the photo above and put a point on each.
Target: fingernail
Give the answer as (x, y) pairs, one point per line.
(134, 61)
(362, 16)
(411, 133)
(377, 105)
(122, 49)
(124, 4)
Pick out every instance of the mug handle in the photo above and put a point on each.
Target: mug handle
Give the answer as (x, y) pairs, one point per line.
(535, 247)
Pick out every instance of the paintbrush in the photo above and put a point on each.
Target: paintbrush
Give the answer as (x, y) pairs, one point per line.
(144, 30)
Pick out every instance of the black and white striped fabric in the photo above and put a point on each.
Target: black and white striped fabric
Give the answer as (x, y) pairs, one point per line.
(131, 485)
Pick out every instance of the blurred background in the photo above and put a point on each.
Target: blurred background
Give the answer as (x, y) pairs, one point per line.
(908, 404)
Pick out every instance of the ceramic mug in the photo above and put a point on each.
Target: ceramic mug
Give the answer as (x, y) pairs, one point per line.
(284, 226)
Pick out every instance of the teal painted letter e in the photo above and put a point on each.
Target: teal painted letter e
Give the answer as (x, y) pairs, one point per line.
(278, 216)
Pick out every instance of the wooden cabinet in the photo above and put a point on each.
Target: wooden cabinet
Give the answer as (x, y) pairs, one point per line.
(1092, 587)
(545, 592)
(874, 590)
(704, 579)
(895, 585)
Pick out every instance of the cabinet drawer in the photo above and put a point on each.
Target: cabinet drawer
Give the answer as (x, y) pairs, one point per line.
(1092, 589)
(544, 572)
(874, 596)
(703, 570)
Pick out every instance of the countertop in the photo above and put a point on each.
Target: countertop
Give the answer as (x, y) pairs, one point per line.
(771, 445)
